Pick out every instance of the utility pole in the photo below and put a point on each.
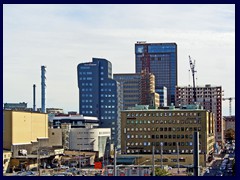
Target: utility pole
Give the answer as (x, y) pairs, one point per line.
(196, 153)
(161, 143)
(38, 154)
(153, 159)
(178, 157)
(115, 161)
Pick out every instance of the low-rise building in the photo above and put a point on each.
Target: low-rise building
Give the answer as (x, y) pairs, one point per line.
(165, 128)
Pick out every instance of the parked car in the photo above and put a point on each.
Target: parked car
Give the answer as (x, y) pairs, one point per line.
(64, 167)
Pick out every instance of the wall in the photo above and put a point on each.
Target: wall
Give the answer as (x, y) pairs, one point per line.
(7, 130)
(55, 137)
(24, 127)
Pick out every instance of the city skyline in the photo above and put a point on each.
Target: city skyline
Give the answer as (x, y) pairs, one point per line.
(62, 36)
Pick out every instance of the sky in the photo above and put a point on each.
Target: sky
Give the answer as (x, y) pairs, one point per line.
(62, 36)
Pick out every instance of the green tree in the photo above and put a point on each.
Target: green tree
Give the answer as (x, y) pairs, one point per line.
(230, 134)
(161, 172)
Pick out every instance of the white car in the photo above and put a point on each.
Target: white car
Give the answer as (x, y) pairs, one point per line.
(64, 167)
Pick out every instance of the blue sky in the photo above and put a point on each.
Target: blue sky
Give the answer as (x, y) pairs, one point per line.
(62, 36)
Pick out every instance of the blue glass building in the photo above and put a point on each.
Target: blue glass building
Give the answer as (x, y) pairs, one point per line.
(161, 60)
(99, 95)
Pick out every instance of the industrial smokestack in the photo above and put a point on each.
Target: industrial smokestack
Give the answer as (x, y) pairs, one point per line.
(43, 84)
(34, 97)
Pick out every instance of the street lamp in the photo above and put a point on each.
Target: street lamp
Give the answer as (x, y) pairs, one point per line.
(161, 144)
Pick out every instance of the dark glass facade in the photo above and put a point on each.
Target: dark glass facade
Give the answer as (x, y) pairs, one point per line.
(130, 89)
(162, 63)
(99, 95)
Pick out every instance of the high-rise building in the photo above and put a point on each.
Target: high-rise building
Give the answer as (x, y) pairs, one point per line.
(162, 96)
(161, 60)
(210, 97)
(130, 88)
(99, 95)
(137, 88)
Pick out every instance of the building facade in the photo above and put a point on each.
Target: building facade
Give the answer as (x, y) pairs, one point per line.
(161, 60)
(90, 139)
(130, 84)
(54, 110)
(99, 95)
(137, 88)
(210, 97)
(164, 128)
(22, 106)
(162, 96)
(76, 121)
(23, 128)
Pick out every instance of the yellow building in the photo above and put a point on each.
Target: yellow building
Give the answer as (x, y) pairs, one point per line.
(22, 127)
(164, 128)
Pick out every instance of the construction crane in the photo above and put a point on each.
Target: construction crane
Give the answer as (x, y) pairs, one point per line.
(192, 66)
(230, 104)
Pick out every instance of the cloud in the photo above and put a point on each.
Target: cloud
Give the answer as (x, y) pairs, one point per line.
(61, 36)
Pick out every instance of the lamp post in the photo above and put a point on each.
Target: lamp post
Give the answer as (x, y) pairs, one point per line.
(161, 144)
(178, 157)
(153, 159)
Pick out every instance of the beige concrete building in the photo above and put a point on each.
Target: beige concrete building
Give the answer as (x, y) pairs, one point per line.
(143, 127)
(23, 128)
(55, 137)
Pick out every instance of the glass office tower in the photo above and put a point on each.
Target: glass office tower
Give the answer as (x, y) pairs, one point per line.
(99, 95)
(161, 60)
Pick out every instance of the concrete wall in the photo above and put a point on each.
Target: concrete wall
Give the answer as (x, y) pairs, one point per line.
(24, 127)
(89, 139)
(55, 137)
(7, 130)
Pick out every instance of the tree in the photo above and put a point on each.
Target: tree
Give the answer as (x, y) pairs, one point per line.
(230, 134)
(161, 172)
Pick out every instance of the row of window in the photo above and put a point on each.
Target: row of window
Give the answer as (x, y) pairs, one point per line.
(86, 78)
(105, 90)
(87, 95)
(87, 106)
(85, 72)
(163, 129)
(148, 151)
(170, 121)
(160, 136)
(163, 114)
(87, 100)
(107, 84)
(190, 143)
(109, 112)
(87, 84)
(86, 89)
(107, 117)
(87, 112)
